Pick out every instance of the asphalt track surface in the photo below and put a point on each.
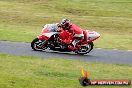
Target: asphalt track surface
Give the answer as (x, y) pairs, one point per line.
(96, 55)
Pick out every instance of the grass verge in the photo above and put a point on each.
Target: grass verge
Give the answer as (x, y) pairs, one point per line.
(34, 72)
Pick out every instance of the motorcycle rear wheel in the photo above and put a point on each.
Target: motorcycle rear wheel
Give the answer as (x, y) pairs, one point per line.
(89, 48)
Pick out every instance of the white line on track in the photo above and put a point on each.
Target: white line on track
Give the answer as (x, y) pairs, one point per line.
(115, 49)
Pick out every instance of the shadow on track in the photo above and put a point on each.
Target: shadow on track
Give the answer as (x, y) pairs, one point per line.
(67, 54)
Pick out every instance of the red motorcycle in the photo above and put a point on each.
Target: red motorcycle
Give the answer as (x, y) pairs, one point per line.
(52, 41)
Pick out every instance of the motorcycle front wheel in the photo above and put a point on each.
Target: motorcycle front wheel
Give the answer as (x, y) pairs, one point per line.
(38, 45)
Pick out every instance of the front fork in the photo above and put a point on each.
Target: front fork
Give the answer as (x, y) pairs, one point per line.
(42, 37)
(43, 40)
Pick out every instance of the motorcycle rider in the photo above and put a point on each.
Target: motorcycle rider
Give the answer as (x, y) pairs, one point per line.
(72, 31)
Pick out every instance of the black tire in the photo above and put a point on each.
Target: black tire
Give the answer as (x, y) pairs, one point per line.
(91, 47)
(33, 42)
(34, 47)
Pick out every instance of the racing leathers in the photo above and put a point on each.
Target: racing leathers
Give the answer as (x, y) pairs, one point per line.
(72, 36)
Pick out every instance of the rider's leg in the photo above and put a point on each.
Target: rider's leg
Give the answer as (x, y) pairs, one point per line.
(84, 41)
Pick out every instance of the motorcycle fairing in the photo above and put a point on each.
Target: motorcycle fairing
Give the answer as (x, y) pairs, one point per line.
(92, 35)
(46, 36)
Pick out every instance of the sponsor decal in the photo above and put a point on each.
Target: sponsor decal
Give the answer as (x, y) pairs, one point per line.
(85, 81)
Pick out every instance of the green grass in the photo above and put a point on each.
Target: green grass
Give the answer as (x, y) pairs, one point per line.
(35, 72)
(21, 20)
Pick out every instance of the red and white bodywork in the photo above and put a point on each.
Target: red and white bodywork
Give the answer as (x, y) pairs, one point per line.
(47, 37)
(92, 35)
